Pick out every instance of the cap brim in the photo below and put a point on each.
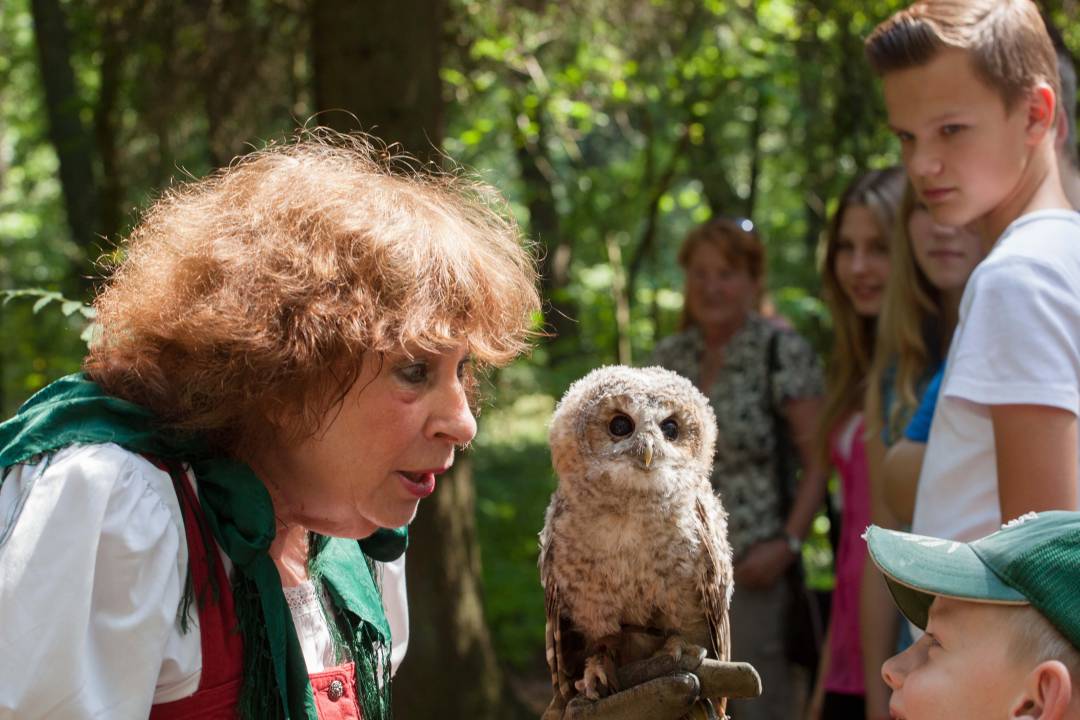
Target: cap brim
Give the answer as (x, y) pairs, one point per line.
(919, 568)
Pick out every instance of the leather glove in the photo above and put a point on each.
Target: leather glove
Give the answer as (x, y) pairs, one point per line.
(663, 688)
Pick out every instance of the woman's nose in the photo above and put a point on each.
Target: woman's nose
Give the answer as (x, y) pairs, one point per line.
(454, 419)
(858, 261)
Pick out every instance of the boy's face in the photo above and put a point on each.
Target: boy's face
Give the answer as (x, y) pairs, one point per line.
(959, 670)
(963, 151)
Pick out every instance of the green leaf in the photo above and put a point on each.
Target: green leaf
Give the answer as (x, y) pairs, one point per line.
(42, 302)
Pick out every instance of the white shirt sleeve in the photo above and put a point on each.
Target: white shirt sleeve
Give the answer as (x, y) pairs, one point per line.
(396, 605)
(1017, 337)
(92, 564)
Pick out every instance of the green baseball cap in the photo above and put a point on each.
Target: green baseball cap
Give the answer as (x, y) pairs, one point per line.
(1033, 560)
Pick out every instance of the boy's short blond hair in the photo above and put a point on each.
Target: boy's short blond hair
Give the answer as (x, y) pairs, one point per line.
(1032, 638)
(1006, 40)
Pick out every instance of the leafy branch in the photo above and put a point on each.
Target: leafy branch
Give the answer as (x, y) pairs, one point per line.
(68, 306)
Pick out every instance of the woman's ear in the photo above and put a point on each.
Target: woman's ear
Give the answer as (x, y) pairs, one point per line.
(1047, 693)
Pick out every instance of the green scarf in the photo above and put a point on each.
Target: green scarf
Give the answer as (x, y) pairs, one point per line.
(239, 513)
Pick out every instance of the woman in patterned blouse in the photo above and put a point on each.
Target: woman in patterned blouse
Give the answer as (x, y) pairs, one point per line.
(758, 377)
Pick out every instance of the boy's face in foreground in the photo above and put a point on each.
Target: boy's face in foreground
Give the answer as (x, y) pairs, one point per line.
(965, 154)
(959, 670)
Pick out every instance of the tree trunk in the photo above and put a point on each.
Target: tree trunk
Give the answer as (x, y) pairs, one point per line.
(537, 179)
(379, 62)
(809, 52)
(450, 669)
(73, 143)
(113, 38)
(376, 68)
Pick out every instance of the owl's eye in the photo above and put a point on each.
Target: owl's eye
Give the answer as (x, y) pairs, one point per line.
(670, 428)
(621, 426)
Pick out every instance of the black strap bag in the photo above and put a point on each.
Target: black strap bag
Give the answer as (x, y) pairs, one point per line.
(806, 611)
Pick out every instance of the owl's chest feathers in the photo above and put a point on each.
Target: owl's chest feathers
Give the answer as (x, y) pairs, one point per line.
(630, 528)
(634, 563)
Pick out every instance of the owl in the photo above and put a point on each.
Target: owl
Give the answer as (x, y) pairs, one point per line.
(634, 557)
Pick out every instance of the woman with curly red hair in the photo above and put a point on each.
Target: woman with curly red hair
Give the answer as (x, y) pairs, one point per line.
(282, 367)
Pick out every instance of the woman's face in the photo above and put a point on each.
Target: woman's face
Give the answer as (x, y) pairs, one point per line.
(947, 255)
(861, 260)
(378, 453)
(718, 293)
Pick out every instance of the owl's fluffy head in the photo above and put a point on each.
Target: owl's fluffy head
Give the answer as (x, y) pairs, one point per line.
(632, 424)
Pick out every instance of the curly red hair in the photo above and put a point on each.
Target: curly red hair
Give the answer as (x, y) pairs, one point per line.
(247, 299)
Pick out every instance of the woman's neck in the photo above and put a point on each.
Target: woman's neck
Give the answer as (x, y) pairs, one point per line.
(717, 335)
(289, 551)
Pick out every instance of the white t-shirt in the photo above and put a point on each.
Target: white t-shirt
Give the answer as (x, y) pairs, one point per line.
(1017, 341)
(93, 558)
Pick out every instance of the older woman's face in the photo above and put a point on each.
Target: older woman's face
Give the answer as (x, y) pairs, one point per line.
(379, 453)
(718, 293)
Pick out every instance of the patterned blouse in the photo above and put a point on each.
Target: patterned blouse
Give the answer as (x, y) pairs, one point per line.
(744, 472)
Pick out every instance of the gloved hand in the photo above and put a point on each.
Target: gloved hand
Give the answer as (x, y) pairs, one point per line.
(663, 688)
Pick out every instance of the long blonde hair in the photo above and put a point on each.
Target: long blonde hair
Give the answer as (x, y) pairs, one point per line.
(912, 336)
(853, 335)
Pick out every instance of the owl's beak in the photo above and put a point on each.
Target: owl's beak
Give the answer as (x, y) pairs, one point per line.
(648, 455)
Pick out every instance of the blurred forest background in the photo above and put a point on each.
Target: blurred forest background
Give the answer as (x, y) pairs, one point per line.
(612, 125)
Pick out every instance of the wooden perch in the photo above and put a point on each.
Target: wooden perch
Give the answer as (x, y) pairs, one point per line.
(718, 679)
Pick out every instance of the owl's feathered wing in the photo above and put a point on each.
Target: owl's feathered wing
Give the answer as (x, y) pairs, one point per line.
(563, 646)
(715, 581)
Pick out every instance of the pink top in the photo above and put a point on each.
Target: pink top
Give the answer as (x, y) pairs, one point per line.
(848, 454)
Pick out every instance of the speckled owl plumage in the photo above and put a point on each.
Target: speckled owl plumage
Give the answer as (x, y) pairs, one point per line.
(634, 535)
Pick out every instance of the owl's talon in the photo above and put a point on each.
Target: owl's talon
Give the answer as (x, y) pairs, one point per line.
(599, 679)
(677, 648)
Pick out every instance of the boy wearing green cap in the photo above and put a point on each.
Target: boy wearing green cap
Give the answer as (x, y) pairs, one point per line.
(1002, 621)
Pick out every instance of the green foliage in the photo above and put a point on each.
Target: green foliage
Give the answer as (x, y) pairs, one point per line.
(514, 482)
(613, 126)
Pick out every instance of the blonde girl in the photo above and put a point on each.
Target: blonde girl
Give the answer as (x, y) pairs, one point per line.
(930, 267)
(854, 276)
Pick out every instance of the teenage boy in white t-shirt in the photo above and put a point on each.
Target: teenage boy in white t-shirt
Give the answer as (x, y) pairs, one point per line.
(971, 89)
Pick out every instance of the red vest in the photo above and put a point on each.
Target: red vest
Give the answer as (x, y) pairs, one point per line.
(222, 646)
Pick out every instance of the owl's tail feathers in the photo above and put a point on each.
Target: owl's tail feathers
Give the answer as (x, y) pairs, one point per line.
(560, 679)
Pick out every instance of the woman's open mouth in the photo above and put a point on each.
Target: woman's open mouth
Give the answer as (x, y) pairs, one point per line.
(421, 483)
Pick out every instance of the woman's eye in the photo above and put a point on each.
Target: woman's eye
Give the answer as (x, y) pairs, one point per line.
(670, 428)
(951, 129)
(415, 373)
(621, 426)
(463, 368)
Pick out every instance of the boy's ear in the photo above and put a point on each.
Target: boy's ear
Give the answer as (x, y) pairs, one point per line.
(1042, 114)
(1047, 693)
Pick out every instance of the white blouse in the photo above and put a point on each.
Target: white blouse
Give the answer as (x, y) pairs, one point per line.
(92, 565)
